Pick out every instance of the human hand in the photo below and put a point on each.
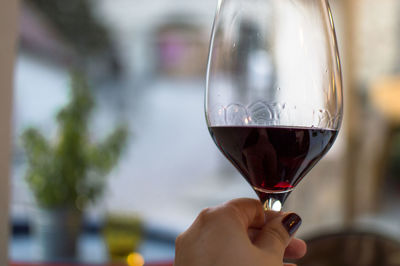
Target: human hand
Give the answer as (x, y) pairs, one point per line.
(240, 233)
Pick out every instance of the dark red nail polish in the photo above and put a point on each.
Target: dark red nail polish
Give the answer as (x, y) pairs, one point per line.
(291, 223)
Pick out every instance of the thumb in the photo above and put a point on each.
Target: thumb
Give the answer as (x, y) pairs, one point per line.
(277, 232)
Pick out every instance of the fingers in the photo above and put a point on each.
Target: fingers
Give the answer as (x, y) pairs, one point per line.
(249, 211)
(277, 232)
(270, 215)
(253, 233)
(269, 230)
(296, 249)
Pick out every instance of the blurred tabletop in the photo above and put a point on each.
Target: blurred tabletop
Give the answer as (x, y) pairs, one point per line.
(352, 248)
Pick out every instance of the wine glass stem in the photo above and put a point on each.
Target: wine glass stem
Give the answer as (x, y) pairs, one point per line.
(272, 204)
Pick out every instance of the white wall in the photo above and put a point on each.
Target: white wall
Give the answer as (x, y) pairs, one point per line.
(8, 23)
(133, 24)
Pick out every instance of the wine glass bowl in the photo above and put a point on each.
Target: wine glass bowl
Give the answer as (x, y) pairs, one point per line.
(274, 100)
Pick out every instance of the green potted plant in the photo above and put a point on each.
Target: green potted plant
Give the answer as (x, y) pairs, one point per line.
(67, 173)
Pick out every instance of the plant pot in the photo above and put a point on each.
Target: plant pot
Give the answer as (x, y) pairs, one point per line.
(57, 232)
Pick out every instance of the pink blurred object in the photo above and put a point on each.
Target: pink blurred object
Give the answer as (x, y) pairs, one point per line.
(75, 264)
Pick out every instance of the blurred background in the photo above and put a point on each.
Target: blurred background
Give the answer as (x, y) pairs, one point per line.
(144, 63)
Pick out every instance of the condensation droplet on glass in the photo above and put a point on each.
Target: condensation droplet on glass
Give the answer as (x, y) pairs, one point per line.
(279, 88)
(284, 106)
(295, 107)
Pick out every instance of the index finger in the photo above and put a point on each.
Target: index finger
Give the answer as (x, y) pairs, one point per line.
(249, 211)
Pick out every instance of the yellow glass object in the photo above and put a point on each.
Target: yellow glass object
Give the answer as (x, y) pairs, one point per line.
(122, 235)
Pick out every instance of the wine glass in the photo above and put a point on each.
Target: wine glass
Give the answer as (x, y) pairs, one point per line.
(274, 99)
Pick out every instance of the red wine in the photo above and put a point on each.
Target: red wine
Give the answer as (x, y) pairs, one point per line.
(273, 159)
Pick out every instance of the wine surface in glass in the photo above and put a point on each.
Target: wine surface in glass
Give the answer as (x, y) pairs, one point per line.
(273, 159)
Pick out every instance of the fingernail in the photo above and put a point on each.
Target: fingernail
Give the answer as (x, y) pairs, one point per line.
(291, 223)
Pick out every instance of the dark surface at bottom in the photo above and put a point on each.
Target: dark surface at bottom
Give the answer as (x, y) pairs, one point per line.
(351, 248)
